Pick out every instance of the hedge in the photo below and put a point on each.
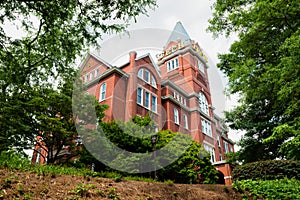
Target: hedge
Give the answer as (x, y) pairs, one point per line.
(268, 170)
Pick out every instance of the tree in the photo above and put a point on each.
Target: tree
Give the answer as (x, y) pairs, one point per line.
(53, 34)
(55, 121)
(184, 164)
(263, 67)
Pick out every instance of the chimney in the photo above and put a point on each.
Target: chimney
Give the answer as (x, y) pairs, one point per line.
(132, 57)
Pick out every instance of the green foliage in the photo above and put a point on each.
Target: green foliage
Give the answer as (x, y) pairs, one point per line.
(82, 189)
(53, 35)
(135, 136)
(269, 189)
(14, 160)
(268, 170)
(263, 67)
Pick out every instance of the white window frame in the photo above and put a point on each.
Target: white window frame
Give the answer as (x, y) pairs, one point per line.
(154, 106)
(176, 116)
(172, 64)
(206, 127)
(219, 141)
(96, 72)
(91, 75)
(211, 151)
(141, 96)
(102, 92)
(226, 147)
(153, 81)
(86, 78)
(147, 99)
(203, 103)
(147, 76)
(201, 66)
(185, 121)
(141, 73)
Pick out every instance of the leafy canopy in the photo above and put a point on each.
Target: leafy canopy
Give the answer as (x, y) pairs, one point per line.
(263, 67)
(40, 54)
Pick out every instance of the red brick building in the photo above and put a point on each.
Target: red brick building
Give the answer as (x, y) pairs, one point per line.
(174, 90)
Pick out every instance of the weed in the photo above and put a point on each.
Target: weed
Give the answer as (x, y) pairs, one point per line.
(112, 194)
(20, 188)
(169, 182)
(82, 189)
(175, 194)
(100, 193)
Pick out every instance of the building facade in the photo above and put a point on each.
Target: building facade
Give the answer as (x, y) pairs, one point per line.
(174, 90)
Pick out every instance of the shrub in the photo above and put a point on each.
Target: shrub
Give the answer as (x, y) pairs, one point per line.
(269, 189)
(268, 170)
(14, 160)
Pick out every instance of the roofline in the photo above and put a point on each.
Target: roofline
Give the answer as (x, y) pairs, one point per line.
(107, 73)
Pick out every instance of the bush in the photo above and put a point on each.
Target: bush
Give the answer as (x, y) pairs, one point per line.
(268, 170)
(269, 189)
(14, 160)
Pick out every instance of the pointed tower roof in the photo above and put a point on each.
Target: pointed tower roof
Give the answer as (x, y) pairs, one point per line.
(179, 32)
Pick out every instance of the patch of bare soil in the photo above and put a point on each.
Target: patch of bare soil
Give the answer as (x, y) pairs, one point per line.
(29, 185)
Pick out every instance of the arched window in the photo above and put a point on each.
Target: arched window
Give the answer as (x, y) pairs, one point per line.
(203, 103)
(102, 92)
(141, 73)
(176, 116)
(147, 76)
(153, 82)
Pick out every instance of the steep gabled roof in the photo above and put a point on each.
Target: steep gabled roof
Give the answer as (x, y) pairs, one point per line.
(178, 32)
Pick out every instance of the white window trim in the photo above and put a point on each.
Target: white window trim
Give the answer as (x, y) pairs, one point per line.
(155, 111)
(176, 116)
(101, 91)
(147, 94)
(211, 151)
(175, 65)
(142, 96)
(203, 103)
(153, 81)
(206, 127)
(149, 76)
(185, 120)
(141, 76)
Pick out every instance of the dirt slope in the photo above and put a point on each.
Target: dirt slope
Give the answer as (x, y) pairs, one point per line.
(28, 185)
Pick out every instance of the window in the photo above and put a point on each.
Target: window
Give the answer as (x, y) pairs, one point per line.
(203, 103)
(201, 66)
(147, 76)
(153, 82)
(96, 72)
(91, 75)
(140, 96)
(176, 116)
(86, 78)
(147, 97)
(172, 64)
(141, 73)
(102, 92)
(211, 151)
(219, 142)
(206, 127)
(185, 122)
(221, 158)
(154, 103)
(226, 147)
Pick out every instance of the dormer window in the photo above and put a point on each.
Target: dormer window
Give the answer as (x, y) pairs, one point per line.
(172, 64)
